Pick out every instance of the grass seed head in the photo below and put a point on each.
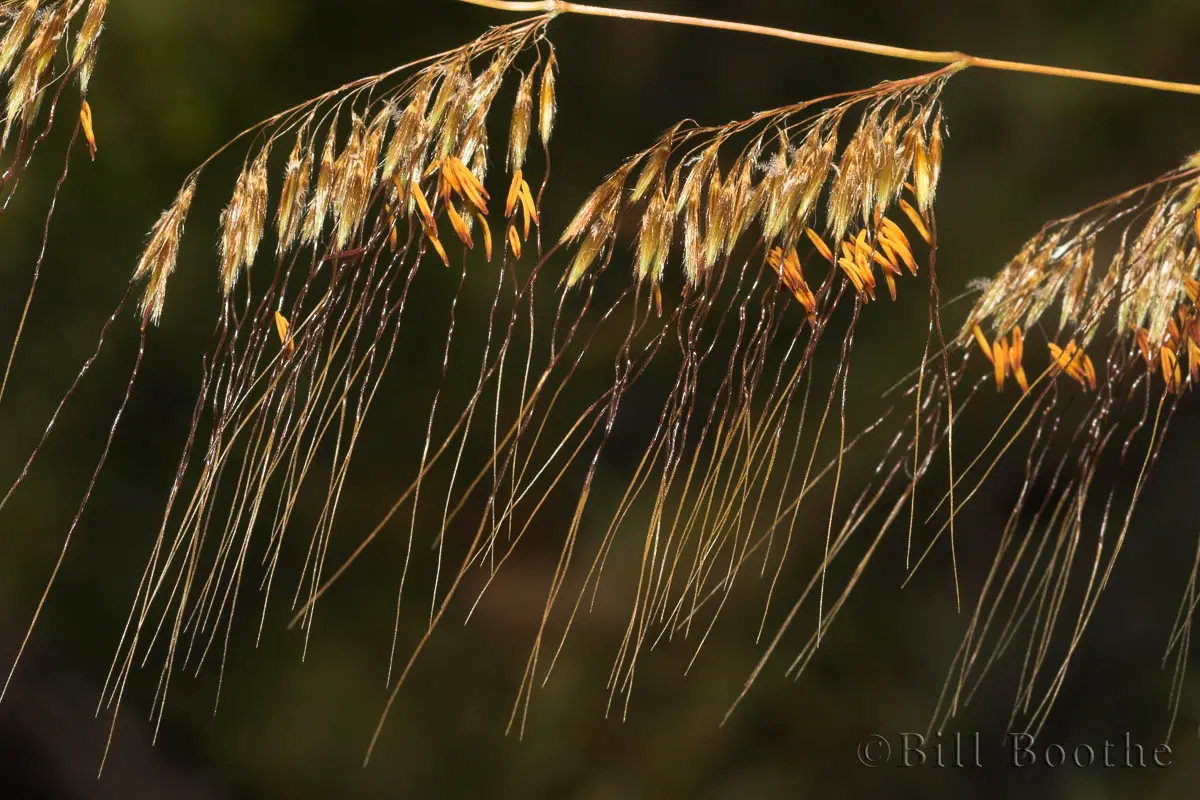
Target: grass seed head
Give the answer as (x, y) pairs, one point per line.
(652, 168)
(547, 101)
(84, 56)
(162, 252)
(25, 89)
(294, 195)
(318, 208)
(410, 135)
(353, 176)
(522, 120)
(1155, 254)
(17, 33)
(783, 190)
(243, 221)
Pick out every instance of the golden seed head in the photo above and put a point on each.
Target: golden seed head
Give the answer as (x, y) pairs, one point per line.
(922, 172)
(25, 89)
(1142, 289)
(318, 208)
(452, 124)
(294, 195)
(742, 201)
(652, 168)
(352, 183)
(256, 206)
(17, 32)
(667, 234)
(410, 136)
(602, 204)
(716, 208)
(479, 161)
(483, 91)
(161, 253)
(893, 167)
(243, 220)
(772, 192)
(373, 142)
(547, 102)
(852, 191)
(84, 57)
(452, 79)
(474, 146)
(697, 176)
(438, 114)
(522, 118)
(586, 254)
(795, 194)
(597, 219)
(935, 153)
(927, 167)
(650, 235)
(717, 214)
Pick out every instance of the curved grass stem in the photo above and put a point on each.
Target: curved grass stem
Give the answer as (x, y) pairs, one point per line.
(928, 56)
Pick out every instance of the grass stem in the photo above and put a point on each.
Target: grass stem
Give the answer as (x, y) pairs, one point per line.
(928, 56)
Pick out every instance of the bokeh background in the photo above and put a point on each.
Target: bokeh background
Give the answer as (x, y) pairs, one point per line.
(176, 78)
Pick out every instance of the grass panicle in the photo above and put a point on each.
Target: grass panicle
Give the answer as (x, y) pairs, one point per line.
(382, 178)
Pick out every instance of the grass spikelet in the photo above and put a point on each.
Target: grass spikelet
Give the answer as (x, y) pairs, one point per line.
(242, 222)
(35, 33)
(588, 251)
(25, 89)
(652, 247)
(353, 179)
(84, 56)
(403, 156)
(547, 100)
(853, 188)
(653, 168)
(256, 207)
(17, 33)
(318, 207)
(161, 254)
(935, 164)
(293, 196)
(522, 120)
(596, 218)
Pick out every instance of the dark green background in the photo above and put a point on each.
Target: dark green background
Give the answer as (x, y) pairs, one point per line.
(176, 78)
